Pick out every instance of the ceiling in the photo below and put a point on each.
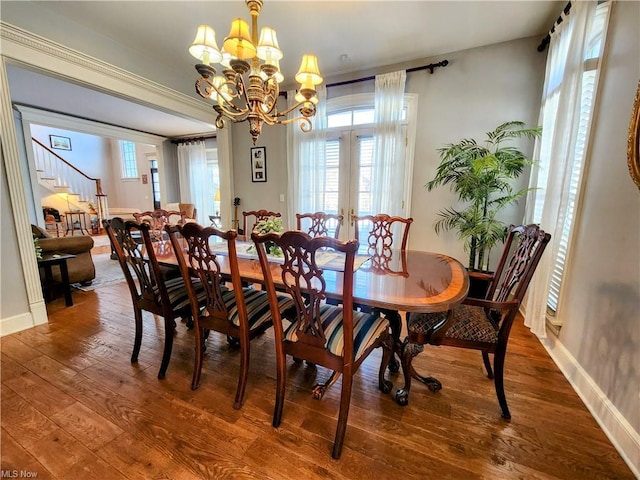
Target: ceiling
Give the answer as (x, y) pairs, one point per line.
(151, 39)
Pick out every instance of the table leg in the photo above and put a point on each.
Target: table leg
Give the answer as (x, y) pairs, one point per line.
(48, 282)
(64, 274)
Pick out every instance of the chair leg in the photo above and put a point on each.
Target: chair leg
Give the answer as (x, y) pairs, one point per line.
(281, 377)
(138, 338)
(345, 402)
(244, 373)
(498, 365)
(169, 328)
(487, 364)
(199, 354)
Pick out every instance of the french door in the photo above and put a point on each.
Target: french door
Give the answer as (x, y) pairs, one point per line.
(346, 185)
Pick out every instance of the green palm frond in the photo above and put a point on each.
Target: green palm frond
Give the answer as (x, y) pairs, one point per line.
(481, 175)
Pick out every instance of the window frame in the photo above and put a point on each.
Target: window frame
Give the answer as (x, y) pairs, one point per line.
(126, 161)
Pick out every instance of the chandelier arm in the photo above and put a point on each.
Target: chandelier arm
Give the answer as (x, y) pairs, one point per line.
(305, 123)
(286, 112)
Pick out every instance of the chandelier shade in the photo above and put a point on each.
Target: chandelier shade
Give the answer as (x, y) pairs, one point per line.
(204, 46)
(238, 42)
(248, 88)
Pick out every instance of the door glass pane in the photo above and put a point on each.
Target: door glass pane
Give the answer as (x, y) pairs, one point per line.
(365, 161)
(332, 177)
(341, 119)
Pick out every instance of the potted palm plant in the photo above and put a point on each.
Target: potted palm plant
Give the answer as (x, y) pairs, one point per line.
(482, 176)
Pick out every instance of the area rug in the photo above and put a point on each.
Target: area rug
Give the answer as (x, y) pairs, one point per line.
(108, 272)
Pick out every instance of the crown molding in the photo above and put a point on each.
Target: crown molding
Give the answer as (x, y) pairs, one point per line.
(44, 54)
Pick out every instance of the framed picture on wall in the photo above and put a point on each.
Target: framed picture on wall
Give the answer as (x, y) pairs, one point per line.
(60, 143)
(259, 164)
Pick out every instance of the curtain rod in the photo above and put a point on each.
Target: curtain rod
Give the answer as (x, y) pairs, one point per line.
(178, 141)
(545, 41)
(431, 67)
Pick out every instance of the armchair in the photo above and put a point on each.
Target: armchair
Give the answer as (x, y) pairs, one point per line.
(479, 324)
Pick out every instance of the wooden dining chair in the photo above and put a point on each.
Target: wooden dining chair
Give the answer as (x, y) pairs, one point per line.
(378, 236)
(157, 219)
(480, 324)
(379, 231)
(150, 288)
(319, 224)
(257, 215)
(335, 337)
(240, 313)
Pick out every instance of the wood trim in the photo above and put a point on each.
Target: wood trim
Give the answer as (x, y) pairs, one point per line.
(27, 48)
(11, 158)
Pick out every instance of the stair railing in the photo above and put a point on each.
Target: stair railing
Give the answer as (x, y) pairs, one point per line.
(64, 174)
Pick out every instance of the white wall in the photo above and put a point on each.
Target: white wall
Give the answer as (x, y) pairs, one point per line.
(131, 192)
(260, 195)
(88, 153)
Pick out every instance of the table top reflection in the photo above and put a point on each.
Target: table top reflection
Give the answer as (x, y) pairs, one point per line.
(410, 280)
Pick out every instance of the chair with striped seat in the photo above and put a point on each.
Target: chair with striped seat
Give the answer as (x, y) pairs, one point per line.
(479, 324)
(150, 287)
(240, 313)
(335, 337)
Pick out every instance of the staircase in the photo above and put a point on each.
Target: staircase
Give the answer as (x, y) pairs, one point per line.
(81, 192)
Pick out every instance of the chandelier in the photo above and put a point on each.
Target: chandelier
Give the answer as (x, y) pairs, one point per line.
(254, 98)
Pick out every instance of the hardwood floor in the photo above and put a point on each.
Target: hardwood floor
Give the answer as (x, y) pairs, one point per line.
(74, 407)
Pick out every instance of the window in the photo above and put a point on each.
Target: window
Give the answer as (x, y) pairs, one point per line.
(342, 180)
(593, 48)
(128, 158)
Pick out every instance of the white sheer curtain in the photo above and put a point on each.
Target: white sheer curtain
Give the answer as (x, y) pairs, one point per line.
(223, 142)
(388, 169)
(195, 185)
(306, 161)
(560, 115)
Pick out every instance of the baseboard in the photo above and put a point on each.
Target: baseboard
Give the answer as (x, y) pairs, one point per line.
(619, 431)
(23, 321)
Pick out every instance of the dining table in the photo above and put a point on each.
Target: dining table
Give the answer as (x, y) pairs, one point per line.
(400, 280)
(389, 282)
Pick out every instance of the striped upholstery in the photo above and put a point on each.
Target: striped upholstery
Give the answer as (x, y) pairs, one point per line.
(177, 291)
(366, 329)
(468, 323)
(257, 306)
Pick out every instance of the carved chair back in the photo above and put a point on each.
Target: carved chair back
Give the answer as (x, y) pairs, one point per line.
(382, 233)
(258, 215)
(320, 224)
(158, 219)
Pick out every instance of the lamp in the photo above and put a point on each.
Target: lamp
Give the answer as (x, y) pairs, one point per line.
(253, 97)
(216, 200)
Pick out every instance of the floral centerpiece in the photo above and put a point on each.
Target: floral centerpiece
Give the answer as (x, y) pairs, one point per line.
(269, 225)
